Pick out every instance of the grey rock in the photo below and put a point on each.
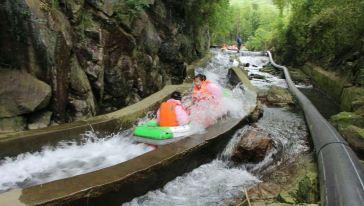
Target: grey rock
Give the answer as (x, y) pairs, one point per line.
(21, 93)
(39, 120)
(12, 124)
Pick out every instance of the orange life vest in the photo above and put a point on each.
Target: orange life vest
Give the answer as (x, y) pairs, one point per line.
(167, 115)
(202, 93)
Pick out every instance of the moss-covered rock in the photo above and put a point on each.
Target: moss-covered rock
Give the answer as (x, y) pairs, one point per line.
(272, 70)
(307, 191)
(329, 82)
(355, 137)
(358, 105)
(298, 76)
(350, 96)
(279, 96)
(12, 124)
(344, 119)
(286, 197)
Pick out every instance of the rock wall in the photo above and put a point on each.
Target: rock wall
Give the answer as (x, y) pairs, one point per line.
(79, 58)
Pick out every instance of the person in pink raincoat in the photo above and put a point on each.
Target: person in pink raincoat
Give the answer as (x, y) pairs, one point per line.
(203, 89)
(207, 101)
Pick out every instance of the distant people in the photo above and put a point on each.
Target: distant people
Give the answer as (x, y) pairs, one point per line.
(205, 90)
(171, 113)
(239, 42)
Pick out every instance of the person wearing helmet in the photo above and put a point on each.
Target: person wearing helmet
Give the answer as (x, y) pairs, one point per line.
(171, 113)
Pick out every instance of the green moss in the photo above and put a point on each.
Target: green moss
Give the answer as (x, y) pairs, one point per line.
(355, 137)
(349, 96)
(286, 197)
(331, 85)
(12, 124)
(344, 119)
(307, 189)
(358, 105)
(126, 11)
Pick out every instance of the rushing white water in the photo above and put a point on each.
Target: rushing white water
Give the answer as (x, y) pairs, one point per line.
(288, 130)
(215, 183)
(256, 63)
(221, 181)
(236, 102)
(67, 159)
(287, 127)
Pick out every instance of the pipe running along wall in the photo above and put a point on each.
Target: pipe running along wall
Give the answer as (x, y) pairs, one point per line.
(340, 172)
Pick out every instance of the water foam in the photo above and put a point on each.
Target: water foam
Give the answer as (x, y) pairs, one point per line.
(235, 103)
(215, 183)
(67, 159)
(221, 181)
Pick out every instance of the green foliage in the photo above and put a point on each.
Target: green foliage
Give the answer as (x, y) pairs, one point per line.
(54, 4)
(257, 21)
(85, 21)
(126, 10)
(323, 31)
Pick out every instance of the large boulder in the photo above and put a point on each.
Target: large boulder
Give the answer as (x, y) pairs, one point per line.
(253, 146)
(21, 93)
(82, 100)
(279, 96)
(79, 83)
(351, 125)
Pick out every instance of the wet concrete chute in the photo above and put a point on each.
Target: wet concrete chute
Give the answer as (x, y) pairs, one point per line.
(75, 158)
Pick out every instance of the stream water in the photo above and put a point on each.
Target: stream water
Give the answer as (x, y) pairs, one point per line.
(221, 181)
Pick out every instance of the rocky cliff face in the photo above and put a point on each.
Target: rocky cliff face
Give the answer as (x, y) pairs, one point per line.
(79, 58)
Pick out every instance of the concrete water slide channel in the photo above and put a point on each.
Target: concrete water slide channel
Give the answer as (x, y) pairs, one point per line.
(119, 183)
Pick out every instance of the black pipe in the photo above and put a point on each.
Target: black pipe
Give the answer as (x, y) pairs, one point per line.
(340, 171)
